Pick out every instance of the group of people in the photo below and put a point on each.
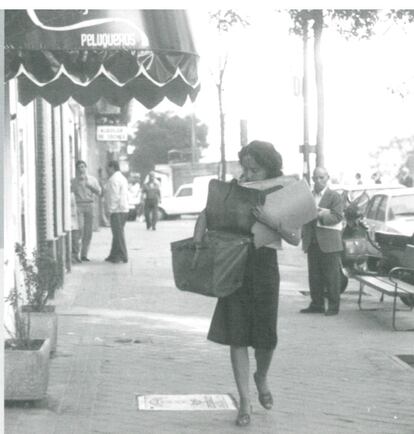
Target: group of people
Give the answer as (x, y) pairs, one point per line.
(83, 188)
(115, 194)
(248, 317)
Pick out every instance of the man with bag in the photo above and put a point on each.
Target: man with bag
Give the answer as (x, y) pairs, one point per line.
(322, 241)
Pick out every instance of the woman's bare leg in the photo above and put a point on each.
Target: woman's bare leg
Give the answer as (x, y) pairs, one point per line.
(240, 364)
(263, 361)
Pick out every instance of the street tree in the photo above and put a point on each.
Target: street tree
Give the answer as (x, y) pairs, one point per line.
(389, 158)
(224, 21)
(349, 23)
(161, 132)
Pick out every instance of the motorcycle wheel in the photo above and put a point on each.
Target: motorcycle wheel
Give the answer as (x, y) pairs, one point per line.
(408, 300)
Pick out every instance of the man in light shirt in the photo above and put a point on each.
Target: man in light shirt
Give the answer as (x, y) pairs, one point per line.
(322, 241)
(116, 199)
(84, 187)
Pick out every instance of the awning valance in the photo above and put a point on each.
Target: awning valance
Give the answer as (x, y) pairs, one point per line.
(89, 54)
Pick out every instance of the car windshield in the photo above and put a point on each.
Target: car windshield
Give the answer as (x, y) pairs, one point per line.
(402, 206)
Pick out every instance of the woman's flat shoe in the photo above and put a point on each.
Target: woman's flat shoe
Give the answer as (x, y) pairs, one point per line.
(243, 419)
(265, 399)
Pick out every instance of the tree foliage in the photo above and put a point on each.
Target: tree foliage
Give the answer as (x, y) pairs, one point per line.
(161, 132)
(406, 16)
(225, 19)
(390, 157)
(354, 23)
(358, 23)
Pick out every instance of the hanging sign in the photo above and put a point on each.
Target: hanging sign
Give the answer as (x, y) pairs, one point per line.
(110, 129)
(112, 133)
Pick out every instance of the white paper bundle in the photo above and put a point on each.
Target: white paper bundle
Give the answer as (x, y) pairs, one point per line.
(293, 206)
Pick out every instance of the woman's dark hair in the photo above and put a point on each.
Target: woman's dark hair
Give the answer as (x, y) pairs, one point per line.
(79, 162)
(114, 165)
(265, 155)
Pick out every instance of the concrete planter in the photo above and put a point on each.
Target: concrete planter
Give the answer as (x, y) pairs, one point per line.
(26, 372)
(43, 324)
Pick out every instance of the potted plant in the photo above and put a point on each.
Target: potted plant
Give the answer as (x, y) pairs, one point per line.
(41, 279)
(26, 360)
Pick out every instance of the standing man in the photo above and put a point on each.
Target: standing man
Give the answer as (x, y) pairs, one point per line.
(116, 199)
(152, 197)
(84, 187)
(322, 242)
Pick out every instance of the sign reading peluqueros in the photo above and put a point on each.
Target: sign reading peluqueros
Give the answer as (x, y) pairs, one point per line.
(83, 29)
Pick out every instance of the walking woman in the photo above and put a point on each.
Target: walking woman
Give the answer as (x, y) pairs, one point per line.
(248, 317)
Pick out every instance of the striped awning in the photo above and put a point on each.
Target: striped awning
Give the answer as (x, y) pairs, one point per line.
(118, 55)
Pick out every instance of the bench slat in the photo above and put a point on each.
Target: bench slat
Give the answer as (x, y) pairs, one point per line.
(383, 284)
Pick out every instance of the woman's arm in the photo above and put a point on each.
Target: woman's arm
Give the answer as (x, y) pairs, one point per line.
(199, 231)
(200, 227)
(290, 235)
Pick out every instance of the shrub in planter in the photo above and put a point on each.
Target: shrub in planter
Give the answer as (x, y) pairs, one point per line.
(26, 360)
(41, 279)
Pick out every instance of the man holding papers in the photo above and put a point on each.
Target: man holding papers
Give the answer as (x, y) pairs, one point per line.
(322, 241)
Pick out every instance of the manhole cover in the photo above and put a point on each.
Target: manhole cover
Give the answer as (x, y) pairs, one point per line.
(407, 358)
(185, 402)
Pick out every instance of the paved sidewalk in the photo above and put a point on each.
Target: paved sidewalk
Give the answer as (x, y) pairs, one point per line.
(125, 330)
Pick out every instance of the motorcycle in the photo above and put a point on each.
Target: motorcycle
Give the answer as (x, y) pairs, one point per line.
(368, 255)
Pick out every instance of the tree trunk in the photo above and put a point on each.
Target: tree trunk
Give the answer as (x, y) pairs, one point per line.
(194, 154)
(222, 130)
(317, 31)
(305, 94)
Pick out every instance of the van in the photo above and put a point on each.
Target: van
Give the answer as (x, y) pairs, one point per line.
(188, 199)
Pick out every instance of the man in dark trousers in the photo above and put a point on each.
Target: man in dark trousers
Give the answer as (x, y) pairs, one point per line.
(116, 199)
(152, 198)
(322, 241)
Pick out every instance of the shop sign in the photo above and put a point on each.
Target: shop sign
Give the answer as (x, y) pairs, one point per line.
(109, 128)
(110, 133)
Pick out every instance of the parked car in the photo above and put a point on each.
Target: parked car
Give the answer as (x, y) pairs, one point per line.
(188, 199)
(391, 211)
(360, 193)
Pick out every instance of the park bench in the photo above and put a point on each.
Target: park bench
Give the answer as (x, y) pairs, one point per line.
(399, 282)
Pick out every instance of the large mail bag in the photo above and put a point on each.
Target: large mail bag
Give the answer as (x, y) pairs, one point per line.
(229, 206)
(215, 267)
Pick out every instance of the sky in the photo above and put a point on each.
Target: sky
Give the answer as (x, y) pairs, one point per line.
(264, 74)
(264, 70)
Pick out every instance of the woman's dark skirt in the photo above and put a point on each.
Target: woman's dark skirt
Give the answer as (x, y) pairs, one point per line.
(248, 317)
